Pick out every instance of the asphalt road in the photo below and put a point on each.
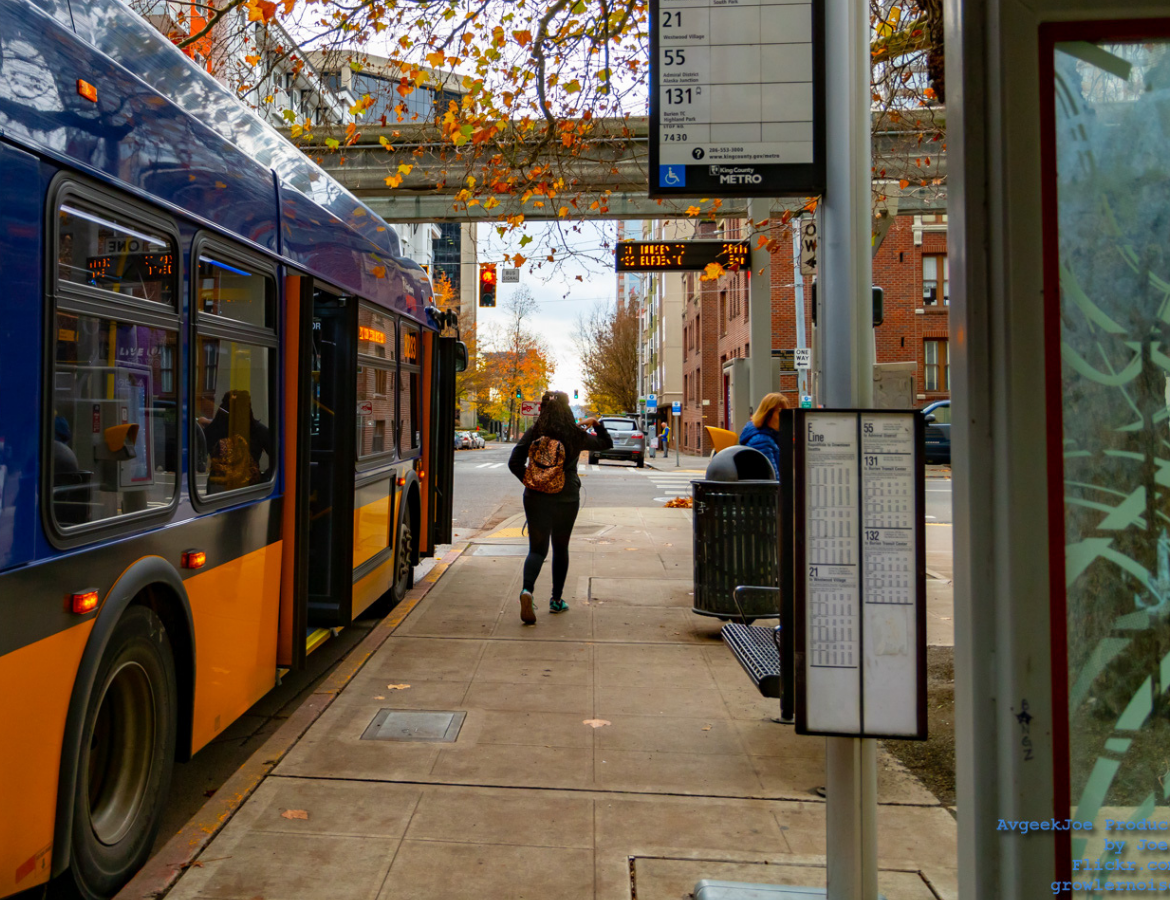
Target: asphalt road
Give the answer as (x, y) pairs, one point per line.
(483, 483)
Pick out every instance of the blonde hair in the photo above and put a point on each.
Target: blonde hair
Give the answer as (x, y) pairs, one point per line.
(769, 405)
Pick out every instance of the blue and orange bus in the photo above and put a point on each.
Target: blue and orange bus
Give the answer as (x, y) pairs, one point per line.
(225, 416)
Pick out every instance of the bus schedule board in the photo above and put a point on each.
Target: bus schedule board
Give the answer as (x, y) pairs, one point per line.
(679, 256)
(737, 98)
(860, 585)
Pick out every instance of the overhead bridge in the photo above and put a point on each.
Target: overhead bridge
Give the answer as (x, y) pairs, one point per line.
(612, 156)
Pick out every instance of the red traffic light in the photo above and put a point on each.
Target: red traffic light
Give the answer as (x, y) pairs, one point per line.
(487, 284)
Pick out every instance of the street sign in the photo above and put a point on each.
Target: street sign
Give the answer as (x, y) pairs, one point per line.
(679, 256)
(509, 276)
(529, 408)
(806, 401)
(737, 98)
(676, 408)
(808, 246)
(652, 403)
(802, 358)
(365, 408)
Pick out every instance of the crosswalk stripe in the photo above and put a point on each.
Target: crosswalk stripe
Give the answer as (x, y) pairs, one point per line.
(483, 465)
(496, 465)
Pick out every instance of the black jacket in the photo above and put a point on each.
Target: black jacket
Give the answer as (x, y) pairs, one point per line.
(518, 461)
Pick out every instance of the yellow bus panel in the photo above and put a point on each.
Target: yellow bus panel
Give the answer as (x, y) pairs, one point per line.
(38, 683)
(372, 586)
(235, 607)
(371, 525)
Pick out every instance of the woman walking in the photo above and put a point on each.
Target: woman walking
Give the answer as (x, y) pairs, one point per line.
(545, 460)
(763, 431)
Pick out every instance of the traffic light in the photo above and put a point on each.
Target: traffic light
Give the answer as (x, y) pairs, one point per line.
(517, 393)
(574, 393)
(487, 284)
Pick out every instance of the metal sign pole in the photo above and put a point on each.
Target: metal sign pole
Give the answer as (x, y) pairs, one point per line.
(798, 292)
(844, 264)
(760, 312)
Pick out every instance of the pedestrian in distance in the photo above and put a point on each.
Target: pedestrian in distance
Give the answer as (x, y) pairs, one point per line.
(545, 460)
(763, 431)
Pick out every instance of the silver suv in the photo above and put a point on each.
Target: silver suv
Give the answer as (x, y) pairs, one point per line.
(628, 440)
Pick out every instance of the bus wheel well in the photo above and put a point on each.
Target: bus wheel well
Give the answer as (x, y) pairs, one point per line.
(166, 604)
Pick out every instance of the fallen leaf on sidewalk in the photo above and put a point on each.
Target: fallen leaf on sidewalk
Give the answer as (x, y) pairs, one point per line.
(668, 545)
(397, 687)
(379, 697)
(596, 723)
(294, 814)
(706, 727)
(631, 548)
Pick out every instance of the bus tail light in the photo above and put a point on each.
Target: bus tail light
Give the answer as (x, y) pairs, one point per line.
(84, 601)
(401, 480)
(194, 559)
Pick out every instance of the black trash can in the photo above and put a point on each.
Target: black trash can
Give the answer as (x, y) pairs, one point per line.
(736, 541)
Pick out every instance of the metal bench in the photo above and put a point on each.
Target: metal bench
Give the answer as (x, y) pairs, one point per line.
(756, 647)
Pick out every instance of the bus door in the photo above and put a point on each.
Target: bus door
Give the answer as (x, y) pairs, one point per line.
(331, 412)
(442, 463)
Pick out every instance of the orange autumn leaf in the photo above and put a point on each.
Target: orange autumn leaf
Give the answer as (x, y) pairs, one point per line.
(294, 814)
(379, 271)
(261, 11)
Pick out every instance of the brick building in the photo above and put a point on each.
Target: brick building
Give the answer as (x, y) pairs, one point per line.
(910, 267)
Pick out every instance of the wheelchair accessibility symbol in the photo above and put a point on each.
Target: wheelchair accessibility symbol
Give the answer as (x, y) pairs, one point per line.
(672, 176)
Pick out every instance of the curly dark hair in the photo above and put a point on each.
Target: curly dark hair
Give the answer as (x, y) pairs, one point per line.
(556, 420)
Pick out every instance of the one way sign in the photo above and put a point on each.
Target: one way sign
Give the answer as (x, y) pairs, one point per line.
(808, 247)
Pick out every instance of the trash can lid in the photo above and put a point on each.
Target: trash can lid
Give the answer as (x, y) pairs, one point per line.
(740, 463)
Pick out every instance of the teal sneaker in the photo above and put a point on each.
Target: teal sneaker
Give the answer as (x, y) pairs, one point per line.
(556, 606)
(527, 611)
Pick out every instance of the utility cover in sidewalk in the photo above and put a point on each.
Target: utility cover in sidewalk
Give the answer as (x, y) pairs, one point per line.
(500, 550)
(414, 725)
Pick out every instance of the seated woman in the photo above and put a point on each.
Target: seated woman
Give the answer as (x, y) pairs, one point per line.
(763, 431)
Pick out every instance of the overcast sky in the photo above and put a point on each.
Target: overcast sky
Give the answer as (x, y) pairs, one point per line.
(561, 298)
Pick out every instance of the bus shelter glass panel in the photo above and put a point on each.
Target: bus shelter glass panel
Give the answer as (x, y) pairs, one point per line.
(1111, 112)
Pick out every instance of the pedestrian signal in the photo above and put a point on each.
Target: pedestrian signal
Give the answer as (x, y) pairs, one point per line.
(487, 284)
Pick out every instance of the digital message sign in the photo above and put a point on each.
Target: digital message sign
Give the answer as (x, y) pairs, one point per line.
(680, 256)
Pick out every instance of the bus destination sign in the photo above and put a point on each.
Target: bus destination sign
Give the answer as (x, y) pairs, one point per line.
(680, 256)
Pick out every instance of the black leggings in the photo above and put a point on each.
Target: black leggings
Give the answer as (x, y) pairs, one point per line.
(548, 517)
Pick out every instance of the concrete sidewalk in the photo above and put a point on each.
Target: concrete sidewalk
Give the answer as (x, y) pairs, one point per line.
(614, 751)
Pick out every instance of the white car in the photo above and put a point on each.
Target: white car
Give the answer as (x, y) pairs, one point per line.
(477, 441)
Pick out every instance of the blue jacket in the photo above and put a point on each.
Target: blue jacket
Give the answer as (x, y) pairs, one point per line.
(766, 440)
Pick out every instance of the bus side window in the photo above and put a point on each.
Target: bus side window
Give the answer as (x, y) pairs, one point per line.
(409, 399)
(234, 437)
(113, 431)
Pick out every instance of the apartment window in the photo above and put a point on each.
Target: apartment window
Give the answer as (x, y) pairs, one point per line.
(723, 312)
(938, 367)
(936, 282)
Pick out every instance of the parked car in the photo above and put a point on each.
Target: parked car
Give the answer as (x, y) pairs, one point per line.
(938, 432)
(462, 440)
(477, 441)
(628, 440)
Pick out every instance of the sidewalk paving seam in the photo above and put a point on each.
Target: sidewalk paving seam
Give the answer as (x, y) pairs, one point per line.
(162, 871)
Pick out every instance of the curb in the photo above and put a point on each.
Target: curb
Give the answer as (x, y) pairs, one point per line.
(161, 872)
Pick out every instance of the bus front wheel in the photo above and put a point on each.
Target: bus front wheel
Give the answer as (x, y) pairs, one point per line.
(403, 569)
(127, 755)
